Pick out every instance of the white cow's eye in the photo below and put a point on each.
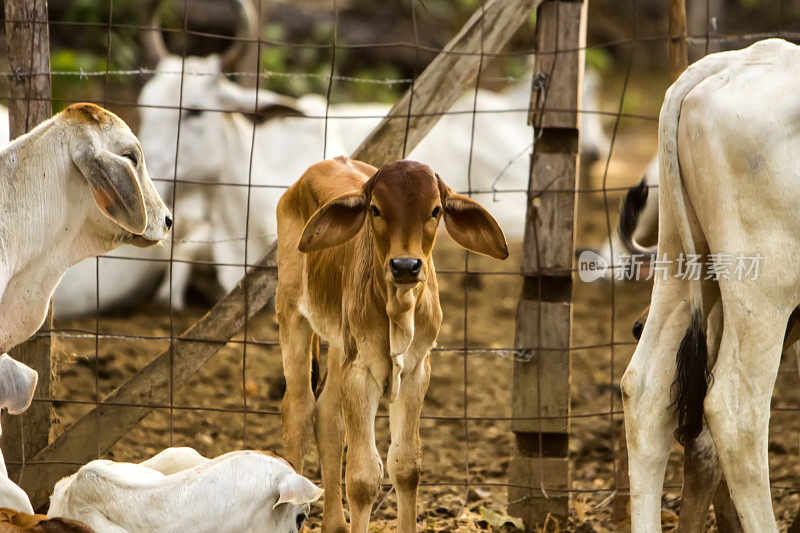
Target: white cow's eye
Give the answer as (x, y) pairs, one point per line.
(132, 157)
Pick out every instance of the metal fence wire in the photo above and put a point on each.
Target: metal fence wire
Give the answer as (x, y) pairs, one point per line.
(230, 397)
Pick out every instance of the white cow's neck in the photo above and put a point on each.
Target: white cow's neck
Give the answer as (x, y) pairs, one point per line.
(40, 192)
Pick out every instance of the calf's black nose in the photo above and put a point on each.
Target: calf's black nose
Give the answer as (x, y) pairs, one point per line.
(168, 221)
(405, 268)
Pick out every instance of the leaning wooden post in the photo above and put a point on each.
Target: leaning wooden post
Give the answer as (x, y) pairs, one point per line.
(539, 475)
(28, 47)
(678, 45)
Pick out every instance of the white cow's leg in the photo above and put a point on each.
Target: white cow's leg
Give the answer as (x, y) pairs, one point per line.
(174, 293)
(737, 406)
(701, 477)
(649, 416)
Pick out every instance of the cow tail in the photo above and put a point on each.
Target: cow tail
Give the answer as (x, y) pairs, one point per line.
(692, 375)
(629, 213)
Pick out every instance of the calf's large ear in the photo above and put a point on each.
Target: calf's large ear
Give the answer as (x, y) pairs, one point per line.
(17, 383)
(334, 223)
(470, 225)
(297, 490)
(114, 186)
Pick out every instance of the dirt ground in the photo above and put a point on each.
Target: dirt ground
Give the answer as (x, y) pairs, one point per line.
(455, 454)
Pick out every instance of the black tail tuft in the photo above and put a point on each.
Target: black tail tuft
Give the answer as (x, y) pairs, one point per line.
(631, 208)
(691, 381)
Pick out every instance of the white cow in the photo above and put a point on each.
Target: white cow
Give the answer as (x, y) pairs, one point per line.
(74, 187)
(17, 384)
(243, 491)
(729, 183)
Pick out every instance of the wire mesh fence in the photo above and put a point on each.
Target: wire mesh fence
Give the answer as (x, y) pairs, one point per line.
(222, 152)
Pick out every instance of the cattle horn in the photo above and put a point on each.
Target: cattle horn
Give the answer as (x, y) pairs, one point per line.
(155, 49)
(247, 29)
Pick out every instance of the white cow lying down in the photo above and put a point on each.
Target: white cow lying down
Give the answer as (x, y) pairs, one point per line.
(178, 490)
(730, 179)
(215, 148)
(216, 141)
(17, 383)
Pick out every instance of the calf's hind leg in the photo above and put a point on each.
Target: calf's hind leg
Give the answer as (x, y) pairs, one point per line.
(297, 407)
(330, 443)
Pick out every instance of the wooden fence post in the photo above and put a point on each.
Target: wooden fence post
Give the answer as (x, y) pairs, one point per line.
(539, 476)
(678, 45)
(28, 47)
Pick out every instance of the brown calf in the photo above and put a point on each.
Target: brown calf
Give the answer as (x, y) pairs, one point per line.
(355, 268)
(15, 522)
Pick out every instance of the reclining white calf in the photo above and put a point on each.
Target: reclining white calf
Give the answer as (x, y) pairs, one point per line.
(180, 490)
(727, 143)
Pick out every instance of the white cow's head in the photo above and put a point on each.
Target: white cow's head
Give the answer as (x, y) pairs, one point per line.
(193, 99)
(108, 156)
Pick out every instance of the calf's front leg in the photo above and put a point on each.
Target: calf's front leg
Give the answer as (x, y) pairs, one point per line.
(404, 461)
(360, 396)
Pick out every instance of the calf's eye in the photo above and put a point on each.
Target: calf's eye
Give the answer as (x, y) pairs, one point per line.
(436, 211)
(375, 211)
(301, 518)
(132, 157)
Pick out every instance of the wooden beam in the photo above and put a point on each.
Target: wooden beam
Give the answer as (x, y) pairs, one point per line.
(678, 47)
(28, 50)
(540, 398)
(101, 427)
(444, 80)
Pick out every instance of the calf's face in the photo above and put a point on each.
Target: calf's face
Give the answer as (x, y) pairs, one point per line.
(401, 205)
(110, 158)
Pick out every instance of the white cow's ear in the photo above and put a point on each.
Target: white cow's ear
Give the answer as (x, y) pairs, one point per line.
(269, 105)
(114, 185)
(297, 490)
(17, 383)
